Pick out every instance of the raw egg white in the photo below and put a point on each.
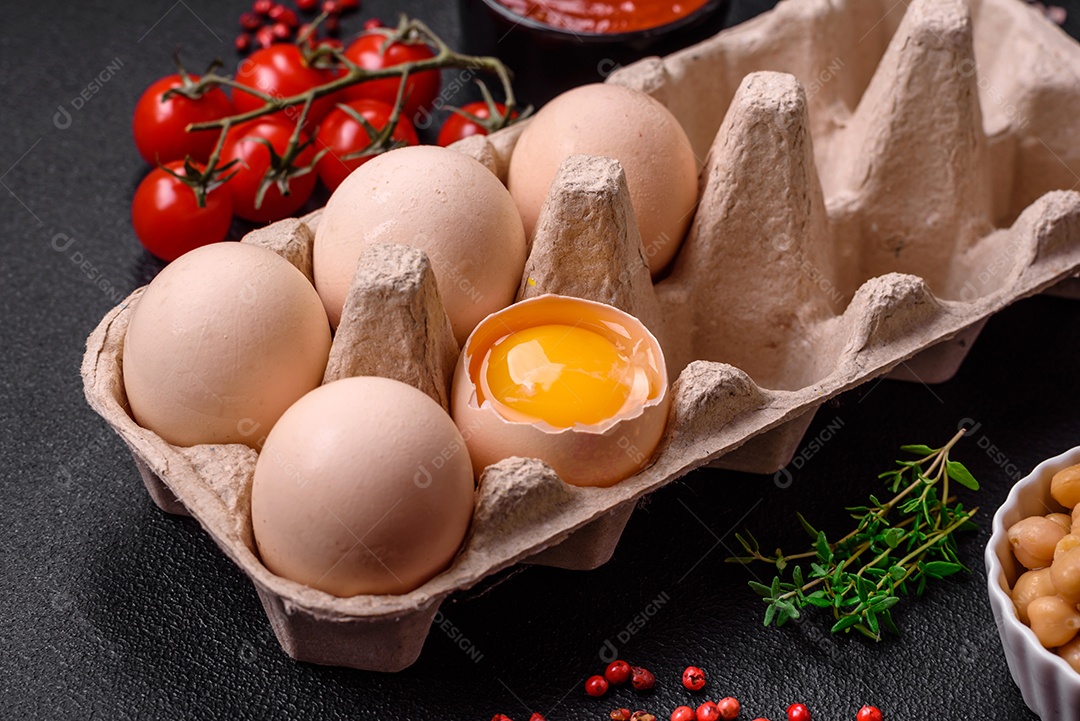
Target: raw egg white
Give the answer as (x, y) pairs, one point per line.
(613, 122)
(436, 199)
(580, 385)
(364, 486)
(222, 341)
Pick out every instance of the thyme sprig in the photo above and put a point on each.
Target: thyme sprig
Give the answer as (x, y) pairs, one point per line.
(896, 546)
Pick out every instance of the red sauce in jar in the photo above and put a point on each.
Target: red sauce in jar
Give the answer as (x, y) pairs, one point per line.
(603, 16)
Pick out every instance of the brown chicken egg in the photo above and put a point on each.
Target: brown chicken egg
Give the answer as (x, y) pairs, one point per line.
(580, 385)
(613, 122)
(364, 486)
(441, 201)
(222, 341)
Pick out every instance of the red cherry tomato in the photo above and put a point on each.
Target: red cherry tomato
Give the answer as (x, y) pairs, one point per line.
(421, 89)
(458, 126)
(254, 160)
(343, 135)
(167, 218)
(281, 71)
(159, 126)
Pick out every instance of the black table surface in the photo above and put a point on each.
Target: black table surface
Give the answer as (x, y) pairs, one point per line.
(111, 609)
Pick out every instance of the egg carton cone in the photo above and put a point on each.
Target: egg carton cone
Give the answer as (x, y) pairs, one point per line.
(897, 141)
(876, 181)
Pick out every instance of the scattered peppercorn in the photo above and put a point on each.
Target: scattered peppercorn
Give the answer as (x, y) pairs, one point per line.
(282, 14)
(264, 36)
(708, 711)
(617, 673)
(641, 679)
(683, 713)
(729, 708)
(798, 712)
(868, 713)
(620, 714)
(642, 716)
(596, 686)
(271, 22)
(693, 678)
(281, 31)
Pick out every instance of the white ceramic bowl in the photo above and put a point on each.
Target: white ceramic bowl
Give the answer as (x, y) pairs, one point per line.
(1051, 688)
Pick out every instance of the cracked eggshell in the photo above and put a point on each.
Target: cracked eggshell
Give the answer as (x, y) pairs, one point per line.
(629, 126)
(440, 201)
(596, 455)
(363, 486)
(224, 339)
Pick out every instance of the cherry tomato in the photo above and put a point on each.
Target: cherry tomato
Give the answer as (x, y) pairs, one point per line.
(343, 136)
(167, 218)
(458, 126)
(254, 160)
(421, 89)
(159, 126)
(281, 71)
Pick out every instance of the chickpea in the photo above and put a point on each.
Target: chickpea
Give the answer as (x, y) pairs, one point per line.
(1066, 544)
(1031, 585)
(1071, 653)
(1062, 519)
(1054, 620)
(1034, 539)
(1065, 486)
(1065, 573)
(1076, 519)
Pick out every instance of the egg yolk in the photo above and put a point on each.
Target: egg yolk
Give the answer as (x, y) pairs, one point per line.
(561, 374)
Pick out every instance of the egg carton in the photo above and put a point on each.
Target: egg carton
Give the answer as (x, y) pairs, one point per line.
(868, 200)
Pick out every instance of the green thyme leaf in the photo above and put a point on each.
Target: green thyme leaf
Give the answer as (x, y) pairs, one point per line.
(959, 473)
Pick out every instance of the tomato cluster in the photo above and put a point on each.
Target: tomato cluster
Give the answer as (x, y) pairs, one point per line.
(254, 177)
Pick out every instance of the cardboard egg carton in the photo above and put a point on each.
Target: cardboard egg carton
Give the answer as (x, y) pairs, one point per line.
(853, 222)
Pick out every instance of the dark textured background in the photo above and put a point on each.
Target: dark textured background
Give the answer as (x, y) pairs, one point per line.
(111, 609)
